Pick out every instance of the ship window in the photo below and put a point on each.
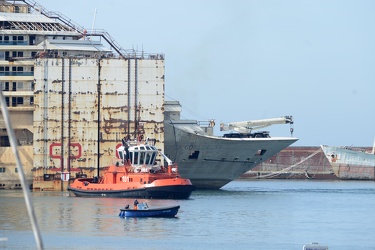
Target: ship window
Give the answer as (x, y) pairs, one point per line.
(32, 100)
(19, 54)
(142, 158)
(4, 141)
(20, 100)
(32, 40)
(261, 152)
(148, 157)
(20, 38)
(135, 158)
(194, 155)
(131, 157)
(14, 101)
(152, 158)
(6, 38)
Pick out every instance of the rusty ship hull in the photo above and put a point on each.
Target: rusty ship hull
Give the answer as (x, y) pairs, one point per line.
(351, 164)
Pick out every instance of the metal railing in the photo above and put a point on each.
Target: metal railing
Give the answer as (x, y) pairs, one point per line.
(70, 23)
(13, 42)
(12, 73)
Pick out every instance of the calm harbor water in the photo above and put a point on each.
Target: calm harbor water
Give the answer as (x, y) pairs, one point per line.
(248, 214)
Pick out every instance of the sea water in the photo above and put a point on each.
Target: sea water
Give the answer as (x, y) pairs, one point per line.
(248, 214)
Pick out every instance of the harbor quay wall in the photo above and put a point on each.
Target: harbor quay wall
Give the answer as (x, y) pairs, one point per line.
(294, 163)
(300, 162)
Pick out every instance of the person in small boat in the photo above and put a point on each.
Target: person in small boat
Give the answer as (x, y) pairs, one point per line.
(136, 204)
(127, 206)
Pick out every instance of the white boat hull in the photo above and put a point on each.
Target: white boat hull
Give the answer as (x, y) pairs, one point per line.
(210, 162)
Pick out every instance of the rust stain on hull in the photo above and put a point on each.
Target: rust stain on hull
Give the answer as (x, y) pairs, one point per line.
(80, 96)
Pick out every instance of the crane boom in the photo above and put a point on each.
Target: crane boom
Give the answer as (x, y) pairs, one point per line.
(248, 126)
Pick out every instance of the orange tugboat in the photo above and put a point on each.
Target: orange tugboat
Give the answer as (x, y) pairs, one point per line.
(137, 175)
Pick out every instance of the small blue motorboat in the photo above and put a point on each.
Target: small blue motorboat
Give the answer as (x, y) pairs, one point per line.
(143, 210)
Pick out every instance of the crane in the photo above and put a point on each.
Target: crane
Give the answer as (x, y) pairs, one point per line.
(246, 127)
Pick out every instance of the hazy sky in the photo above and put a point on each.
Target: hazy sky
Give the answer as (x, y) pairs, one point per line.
(256, 59)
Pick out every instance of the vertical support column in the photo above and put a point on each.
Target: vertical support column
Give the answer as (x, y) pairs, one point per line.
(69, 112)
(99, 105)
(45, 115)
(62, 118)
(129, 101)
(135, 97)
